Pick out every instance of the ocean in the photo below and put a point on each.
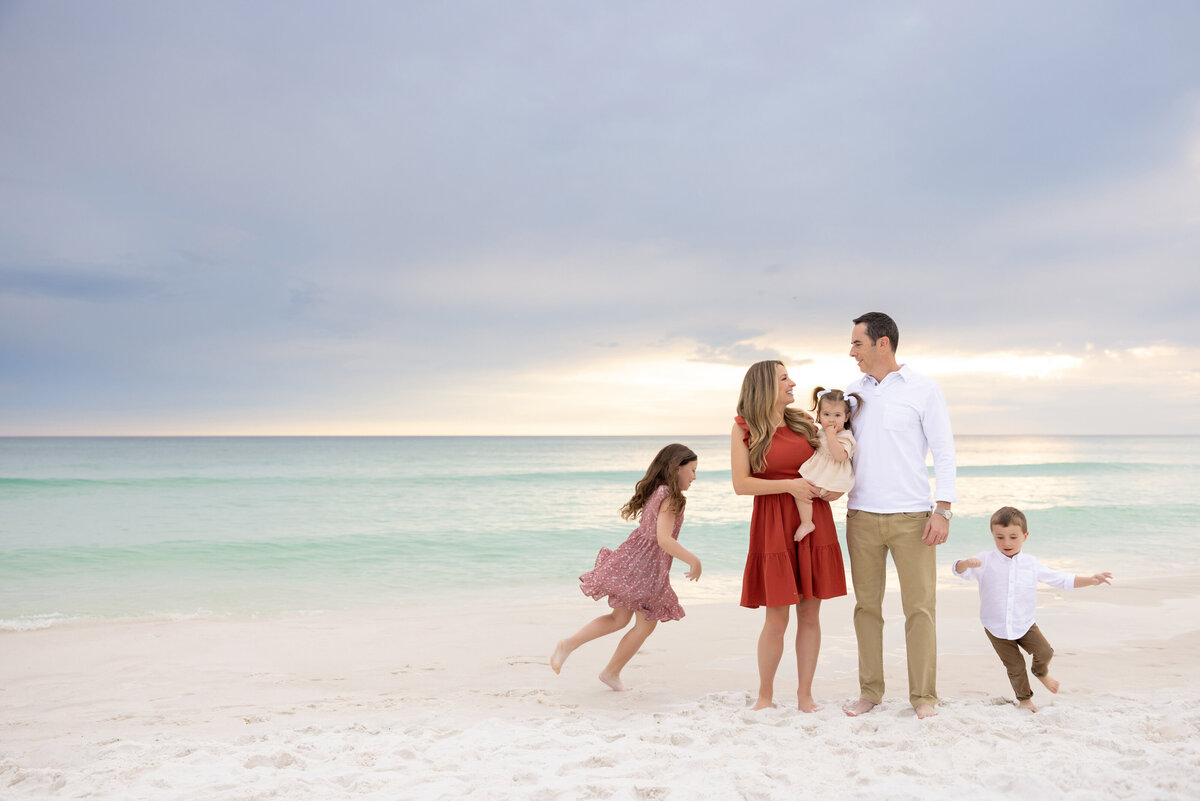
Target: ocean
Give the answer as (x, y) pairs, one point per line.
(105, 528)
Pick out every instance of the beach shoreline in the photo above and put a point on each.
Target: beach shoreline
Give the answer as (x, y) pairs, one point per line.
(432, 700)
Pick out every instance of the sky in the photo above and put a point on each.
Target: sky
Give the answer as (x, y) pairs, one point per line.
(474, 218)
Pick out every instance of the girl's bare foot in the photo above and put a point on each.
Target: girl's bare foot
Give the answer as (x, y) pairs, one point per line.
(614, 682)
(805, 703)
(1050, 682)
(860, 707)
(561, 652)
(1027, 704)
(804, 530)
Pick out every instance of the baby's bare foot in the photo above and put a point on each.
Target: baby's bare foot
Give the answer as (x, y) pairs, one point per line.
(1027, 704)
(559, 656)
(804, 530)
(614, 682)
(1050, 682)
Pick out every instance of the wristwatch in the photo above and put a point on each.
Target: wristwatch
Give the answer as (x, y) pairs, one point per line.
(946, 513)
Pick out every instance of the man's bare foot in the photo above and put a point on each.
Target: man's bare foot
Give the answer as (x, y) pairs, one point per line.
(925, 711)
(561, 652)
(805, 703)
(614, 682)
(1050, 682)
(804, 530)
(1027, 704)
(763, 703)
(860, 707)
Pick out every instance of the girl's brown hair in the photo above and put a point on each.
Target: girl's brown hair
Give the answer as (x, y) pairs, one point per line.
(664, 469)
(834, 396)
(756, 405)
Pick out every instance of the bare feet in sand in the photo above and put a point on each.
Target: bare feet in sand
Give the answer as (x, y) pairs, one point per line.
(561, 652)
(805, 703)
(1027, 704)
(1050, 682)
(925, 711)
(860, 707)
(763, 703)
(614, 682)
(804, 530)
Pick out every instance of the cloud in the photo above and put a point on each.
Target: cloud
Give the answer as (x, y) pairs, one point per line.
(393, 200)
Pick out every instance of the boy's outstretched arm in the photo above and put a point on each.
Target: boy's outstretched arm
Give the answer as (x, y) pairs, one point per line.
(1091, 581)
(963, 564)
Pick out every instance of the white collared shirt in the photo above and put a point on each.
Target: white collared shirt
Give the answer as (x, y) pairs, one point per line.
(900, 420)
(1008, 590)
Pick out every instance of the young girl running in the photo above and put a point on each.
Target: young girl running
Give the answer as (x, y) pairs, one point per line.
(829, 467)
(636, 576)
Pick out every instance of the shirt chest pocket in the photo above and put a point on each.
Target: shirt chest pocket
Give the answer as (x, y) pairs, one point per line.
(900, 417)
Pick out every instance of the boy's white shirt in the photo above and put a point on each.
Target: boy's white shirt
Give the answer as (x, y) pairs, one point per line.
(1008, 590)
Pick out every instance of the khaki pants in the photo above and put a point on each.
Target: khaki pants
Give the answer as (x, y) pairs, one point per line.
(869, 539)
(1037, 646)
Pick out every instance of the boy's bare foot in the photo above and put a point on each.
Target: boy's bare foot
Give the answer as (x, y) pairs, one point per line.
(805, 703)
(559, 656)
(1027, 704)
(860, 707)
(1050, 682)
(925, 711)
(804, 530)
(614, 682)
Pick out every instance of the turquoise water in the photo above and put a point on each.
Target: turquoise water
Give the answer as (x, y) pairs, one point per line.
(100, 527)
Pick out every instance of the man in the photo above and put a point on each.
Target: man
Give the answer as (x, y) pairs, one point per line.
(903, 415)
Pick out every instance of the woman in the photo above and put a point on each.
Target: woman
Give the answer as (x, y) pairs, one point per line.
(768, 444)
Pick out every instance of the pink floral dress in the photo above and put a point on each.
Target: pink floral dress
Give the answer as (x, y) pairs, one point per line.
(637, 576)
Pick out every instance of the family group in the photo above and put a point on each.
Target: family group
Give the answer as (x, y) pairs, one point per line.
(870, 440)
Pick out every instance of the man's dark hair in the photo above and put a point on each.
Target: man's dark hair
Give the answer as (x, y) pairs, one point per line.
(880, 325)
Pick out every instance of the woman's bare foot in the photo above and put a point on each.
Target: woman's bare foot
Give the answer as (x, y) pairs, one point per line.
(614, 682)
(1027, 704)
(1050, 682)
(804, 530)
(805, 703)
(763, 703)
(561, 652)
(925, 711)
(860, 707)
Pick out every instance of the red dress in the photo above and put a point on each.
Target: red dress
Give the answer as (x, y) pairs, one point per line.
(779, 570)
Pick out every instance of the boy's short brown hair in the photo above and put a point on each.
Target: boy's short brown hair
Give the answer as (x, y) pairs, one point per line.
(1010, 515)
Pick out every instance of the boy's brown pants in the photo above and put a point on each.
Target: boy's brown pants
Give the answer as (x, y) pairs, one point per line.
(1033, 642)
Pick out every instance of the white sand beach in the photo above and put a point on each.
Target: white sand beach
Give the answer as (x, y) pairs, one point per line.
(459, 703)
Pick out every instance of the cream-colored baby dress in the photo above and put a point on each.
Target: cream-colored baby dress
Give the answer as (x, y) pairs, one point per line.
(823, 471)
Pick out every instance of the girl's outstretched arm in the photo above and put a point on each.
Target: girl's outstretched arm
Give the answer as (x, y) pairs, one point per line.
(664, 527)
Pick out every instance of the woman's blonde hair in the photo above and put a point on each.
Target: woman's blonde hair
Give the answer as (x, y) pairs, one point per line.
(756, 405)
(663, 469)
